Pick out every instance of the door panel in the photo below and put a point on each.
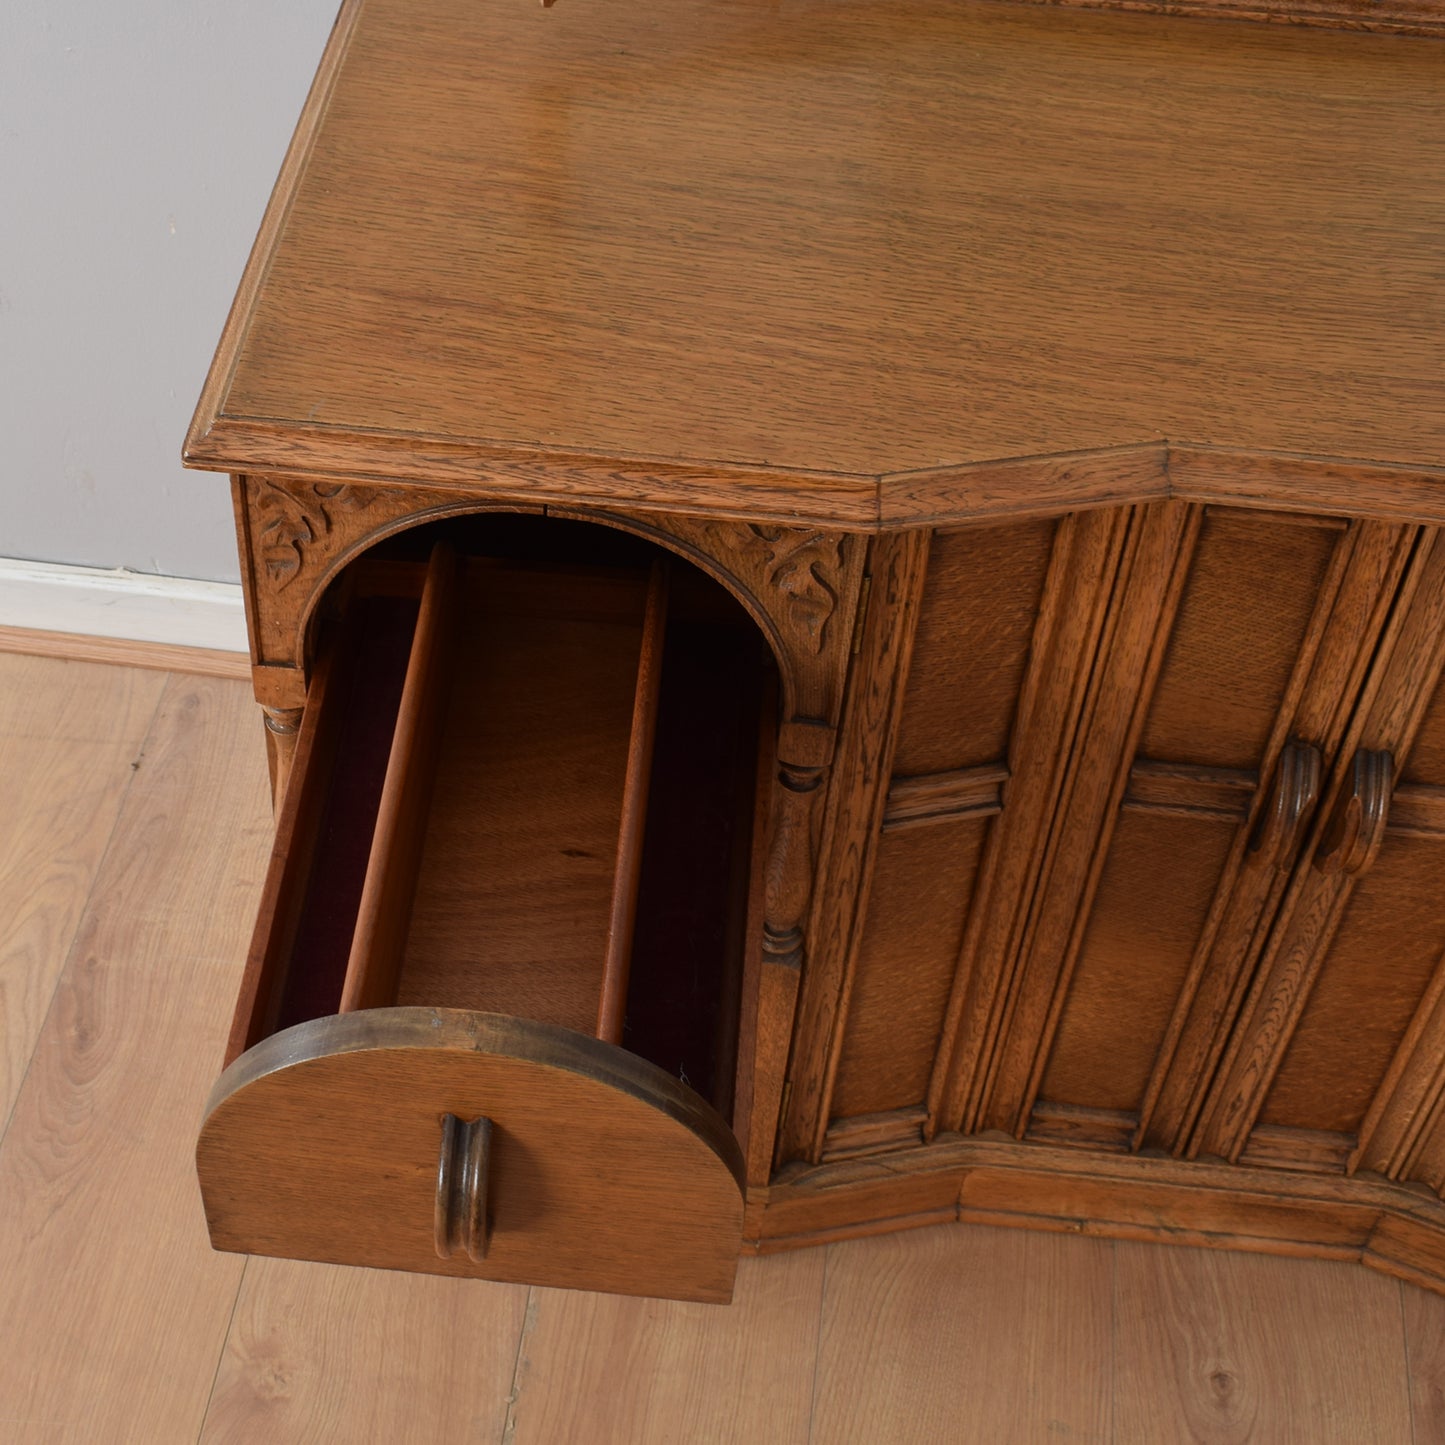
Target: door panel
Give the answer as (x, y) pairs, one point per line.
(1359, 1010)
(1113, 586)
(1353, 606)
(1189, 871)
(921, 892)
(940, 663)
(1242, 624)
(1121, 790)
(1152, 904)
(1390, 940)
(1352, 951)
(979, 608)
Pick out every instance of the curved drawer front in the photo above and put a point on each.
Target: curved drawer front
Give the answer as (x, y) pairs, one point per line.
(596, 1170)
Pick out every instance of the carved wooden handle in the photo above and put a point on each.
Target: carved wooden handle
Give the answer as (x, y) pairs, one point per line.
(1296, 786)
(1356, 828)
(461, 1203)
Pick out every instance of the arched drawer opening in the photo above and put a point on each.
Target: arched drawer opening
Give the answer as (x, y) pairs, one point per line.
(524, 798)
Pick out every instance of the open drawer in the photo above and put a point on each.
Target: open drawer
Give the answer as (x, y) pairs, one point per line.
(489, 1021)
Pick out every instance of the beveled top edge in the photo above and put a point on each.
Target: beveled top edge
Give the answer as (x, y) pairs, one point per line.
(233, 333)
(1396, 17)
(464, 1031)
(1149, 470)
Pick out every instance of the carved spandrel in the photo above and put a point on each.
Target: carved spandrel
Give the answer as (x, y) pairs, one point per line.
(805, 567)
(297, 534)
(297, 524)
(800, 584)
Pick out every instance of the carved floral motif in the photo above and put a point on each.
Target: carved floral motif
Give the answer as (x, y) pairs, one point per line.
(804, 565)
(293, 518)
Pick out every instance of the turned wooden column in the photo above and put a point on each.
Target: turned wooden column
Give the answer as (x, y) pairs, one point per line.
(282, 726)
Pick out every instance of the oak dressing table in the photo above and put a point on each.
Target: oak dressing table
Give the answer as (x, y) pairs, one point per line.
(849, 601)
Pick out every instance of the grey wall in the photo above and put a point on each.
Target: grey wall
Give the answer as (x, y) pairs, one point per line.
(138, 142)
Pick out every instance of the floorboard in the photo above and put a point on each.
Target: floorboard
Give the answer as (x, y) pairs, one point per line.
(318, 1352)
(618, 1371)
(68, 736)
(113, 1307)
(1223, 1348)
(966, 1336)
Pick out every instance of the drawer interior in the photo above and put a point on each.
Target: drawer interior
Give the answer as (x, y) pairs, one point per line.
(526, 784)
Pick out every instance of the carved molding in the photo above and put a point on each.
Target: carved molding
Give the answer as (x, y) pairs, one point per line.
(804, 758)
(295, 533)
(298, 533)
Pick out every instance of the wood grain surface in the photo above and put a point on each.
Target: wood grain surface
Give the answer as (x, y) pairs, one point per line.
(318, 1352)
(1223, 1375)
(645, 1372)
(708, 256)
(114, 1308)
(124, 652)
(1407, 17)
(856, 802)
(605, 1172)
(383, 914)
(69, 734)
(520, 844)
(1425, 1345)
(1034, 1365)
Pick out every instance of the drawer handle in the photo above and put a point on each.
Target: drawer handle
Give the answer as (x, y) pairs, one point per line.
(1356, 828)
(1296, 786)
(461, 1203)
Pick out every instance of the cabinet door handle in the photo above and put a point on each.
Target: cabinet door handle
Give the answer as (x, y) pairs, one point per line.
(1296, 786)
(1356, 828)
(461, 1202)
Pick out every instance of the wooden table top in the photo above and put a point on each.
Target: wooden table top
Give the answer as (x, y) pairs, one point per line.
(753, 256)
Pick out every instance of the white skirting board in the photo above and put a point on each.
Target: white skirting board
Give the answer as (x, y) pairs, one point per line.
(135, 606)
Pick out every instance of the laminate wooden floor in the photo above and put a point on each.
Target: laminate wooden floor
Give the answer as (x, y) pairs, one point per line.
(134, 827)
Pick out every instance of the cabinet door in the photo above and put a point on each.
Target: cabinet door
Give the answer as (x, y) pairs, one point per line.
(930, 760)
(1111, 744)
(1190, 793)
(1331, 1062)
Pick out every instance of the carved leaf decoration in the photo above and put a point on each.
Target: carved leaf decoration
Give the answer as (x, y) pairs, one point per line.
(338, 497)
(284, 534)
(803, 565)
(294, 520)
(799, 573)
